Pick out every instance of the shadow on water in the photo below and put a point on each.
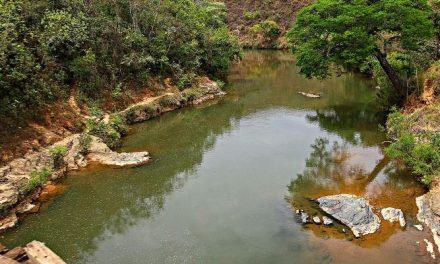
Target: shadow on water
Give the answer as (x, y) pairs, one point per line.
(214, 192)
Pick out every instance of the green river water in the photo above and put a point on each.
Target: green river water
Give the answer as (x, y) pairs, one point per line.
(227, 176)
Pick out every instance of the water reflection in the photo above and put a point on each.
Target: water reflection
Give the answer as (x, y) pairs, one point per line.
(335, 168)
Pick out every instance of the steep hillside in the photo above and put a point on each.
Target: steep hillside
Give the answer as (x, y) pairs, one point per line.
(244, 14)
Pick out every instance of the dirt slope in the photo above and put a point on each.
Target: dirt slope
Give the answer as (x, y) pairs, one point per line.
(243, 14)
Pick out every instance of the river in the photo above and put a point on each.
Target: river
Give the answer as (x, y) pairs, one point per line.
(227, 177)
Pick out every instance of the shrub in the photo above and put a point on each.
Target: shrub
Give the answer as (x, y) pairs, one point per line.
(268, 28)
(106, 132)
(190, 94)
(58, 153)
(185, 80)
(421, 151)
(37, 179)
(118, 123)
(251, 14)
(84, 143)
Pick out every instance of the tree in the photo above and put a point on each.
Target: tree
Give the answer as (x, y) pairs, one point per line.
(348, 32)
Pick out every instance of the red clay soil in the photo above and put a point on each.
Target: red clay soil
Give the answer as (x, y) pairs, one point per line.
(22, 134)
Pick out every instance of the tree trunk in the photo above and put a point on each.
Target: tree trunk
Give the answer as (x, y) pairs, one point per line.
(391, 73)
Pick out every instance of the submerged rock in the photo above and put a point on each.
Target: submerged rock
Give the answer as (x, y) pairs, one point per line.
(393, 215)
(327, 221)
(352, 211)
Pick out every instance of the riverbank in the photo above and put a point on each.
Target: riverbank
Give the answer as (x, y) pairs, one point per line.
(24, 179)
(415, 134)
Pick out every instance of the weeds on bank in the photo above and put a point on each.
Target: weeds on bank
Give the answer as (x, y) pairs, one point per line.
(37, 179)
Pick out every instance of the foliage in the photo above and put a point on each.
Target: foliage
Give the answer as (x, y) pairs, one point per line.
(251, 14)
(190, 94)
(84, 143)
(435, 5)
(106, 131)
(46, 46)
(185, 80)
(346, 33)
(58, 153)
(403, 65)
(420, 151)
(268, 28)
(37, 179)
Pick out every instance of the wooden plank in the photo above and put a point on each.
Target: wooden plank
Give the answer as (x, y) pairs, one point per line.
(5, 260)
(38, 253)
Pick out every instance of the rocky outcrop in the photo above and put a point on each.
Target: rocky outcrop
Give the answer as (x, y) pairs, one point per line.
(352, 211)
(100, 153)
(393, 215)
(18, 173)
(204, 90)
(429, 212)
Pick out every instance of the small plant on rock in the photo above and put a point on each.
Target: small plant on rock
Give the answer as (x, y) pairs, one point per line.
(37, 179)
(84, 143)
(58, 153)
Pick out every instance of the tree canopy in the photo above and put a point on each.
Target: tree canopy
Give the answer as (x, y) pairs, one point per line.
(347, 32)
(49, 46)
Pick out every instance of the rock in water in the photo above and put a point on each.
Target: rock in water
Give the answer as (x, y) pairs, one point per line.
(430, 248)
(327, 221)
(304, 217)
(352, 211)
(310, 95)
(419, 227)
(316, 220)
(393, 215)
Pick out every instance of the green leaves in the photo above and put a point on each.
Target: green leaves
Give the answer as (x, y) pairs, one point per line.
(64, 34)
(347, 32)
(48, 46)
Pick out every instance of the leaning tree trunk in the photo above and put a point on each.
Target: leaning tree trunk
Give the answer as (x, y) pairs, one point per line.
(391, 73)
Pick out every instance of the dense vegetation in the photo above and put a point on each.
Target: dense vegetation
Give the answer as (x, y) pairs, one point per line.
(395, 41)
(351, 33)
(417, 140)
(49, 48)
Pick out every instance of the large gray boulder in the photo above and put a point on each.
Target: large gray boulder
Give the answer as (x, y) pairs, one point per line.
(353, 211)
